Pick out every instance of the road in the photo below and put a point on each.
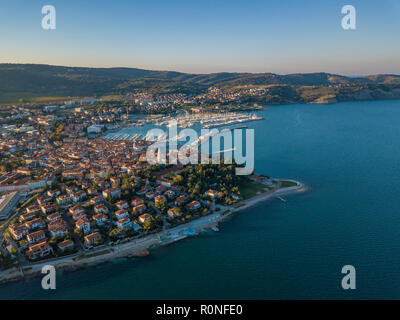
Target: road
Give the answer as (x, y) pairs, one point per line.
(166, 224)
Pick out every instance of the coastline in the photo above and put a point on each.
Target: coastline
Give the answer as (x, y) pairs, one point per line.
(141, 247)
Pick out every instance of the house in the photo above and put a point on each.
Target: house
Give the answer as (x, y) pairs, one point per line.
(120, 214)
(83, 225)
(85, 185)
(262, 179)
(194, 205)
(115, 180)
(212, 193)
(92, 191)
(137, 201)
(100, 219)
(66, 245)
(101, 208)
(181, 200)
(71, 189)
(72, 174)
(104, 185)
(43, 200)
(49, 208)
(161, 189)
(75, 210)
(35, 224)
(160, 198)
(53, 216)
(26, 217)
(114, 192)
(174, 212)
(18, 231)
(53, 193)
(92, 238)
(176, 188)
(78, 215)
(39, 250)
(57, 222)
(94, 129)
(35, 237)
(33, 209)
(165, 182)
(144, 217)
(122, 204)
(79, 196)
(169, 194)
(124, 223)
(58, 230)
(139, 209)
(143, 190)
(95, 200)
(63, 199)
(150, 195)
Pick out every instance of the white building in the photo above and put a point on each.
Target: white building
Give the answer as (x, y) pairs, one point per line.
(94, 129)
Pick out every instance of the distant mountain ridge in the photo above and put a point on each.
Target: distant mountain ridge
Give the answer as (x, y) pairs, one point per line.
(26, 80)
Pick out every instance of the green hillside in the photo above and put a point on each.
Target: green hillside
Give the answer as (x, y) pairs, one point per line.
(26, 81)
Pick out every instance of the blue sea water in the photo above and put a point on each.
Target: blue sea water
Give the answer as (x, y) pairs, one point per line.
(348, 154)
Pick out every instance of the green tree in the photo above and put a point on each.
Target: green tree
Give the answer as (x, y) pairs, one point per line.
(148, 225)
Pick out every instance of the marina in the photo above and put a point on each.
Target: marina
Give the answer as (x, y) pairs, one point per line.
(206, 120)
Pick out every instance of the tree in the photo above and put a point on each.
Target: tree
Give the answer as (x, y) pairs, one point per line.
(113, 234)
(159, 221)
(162, 205)
(178, 179)
(148, 225)
(53, 241)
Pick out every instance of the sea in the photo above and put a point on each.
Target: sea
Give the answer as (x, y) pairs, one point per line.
(347, 154)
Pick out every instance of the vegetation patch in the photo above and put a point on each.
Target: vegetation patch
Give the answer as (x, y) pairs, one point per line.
(287, 184)
(249, 189)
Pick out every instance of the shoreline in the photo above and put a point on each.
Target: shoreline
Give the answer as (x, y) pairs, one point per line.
(140, 247)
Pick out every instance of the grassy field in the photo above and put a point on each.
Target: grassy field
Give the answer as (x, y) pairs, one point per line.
(113, 97)
(249, 189)
(287, 184)
(35, 99)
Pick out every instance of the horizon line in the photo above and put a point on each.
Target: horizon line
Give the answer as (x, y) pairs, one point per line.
(193, 73)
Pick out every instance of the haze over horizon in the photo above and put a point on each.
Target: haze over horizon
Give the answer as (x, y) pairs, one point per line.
(199, 73)
(206, 37)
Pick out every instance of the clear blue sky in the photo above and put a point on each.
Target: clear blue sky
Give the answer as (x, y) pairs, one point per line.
(202, 36)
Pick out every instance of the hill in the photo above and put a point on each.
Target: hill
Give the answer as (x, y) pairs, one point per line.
(24, 81)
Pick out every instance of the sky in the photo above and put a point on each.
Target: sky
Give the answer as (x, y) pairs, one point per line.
(204, 36)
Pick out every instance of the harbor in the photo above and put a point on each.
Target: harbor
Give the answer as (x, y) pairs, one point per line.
(207, 120)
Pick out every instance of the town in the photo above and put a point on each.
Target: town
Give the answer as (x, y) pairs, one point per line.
(66, 189)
